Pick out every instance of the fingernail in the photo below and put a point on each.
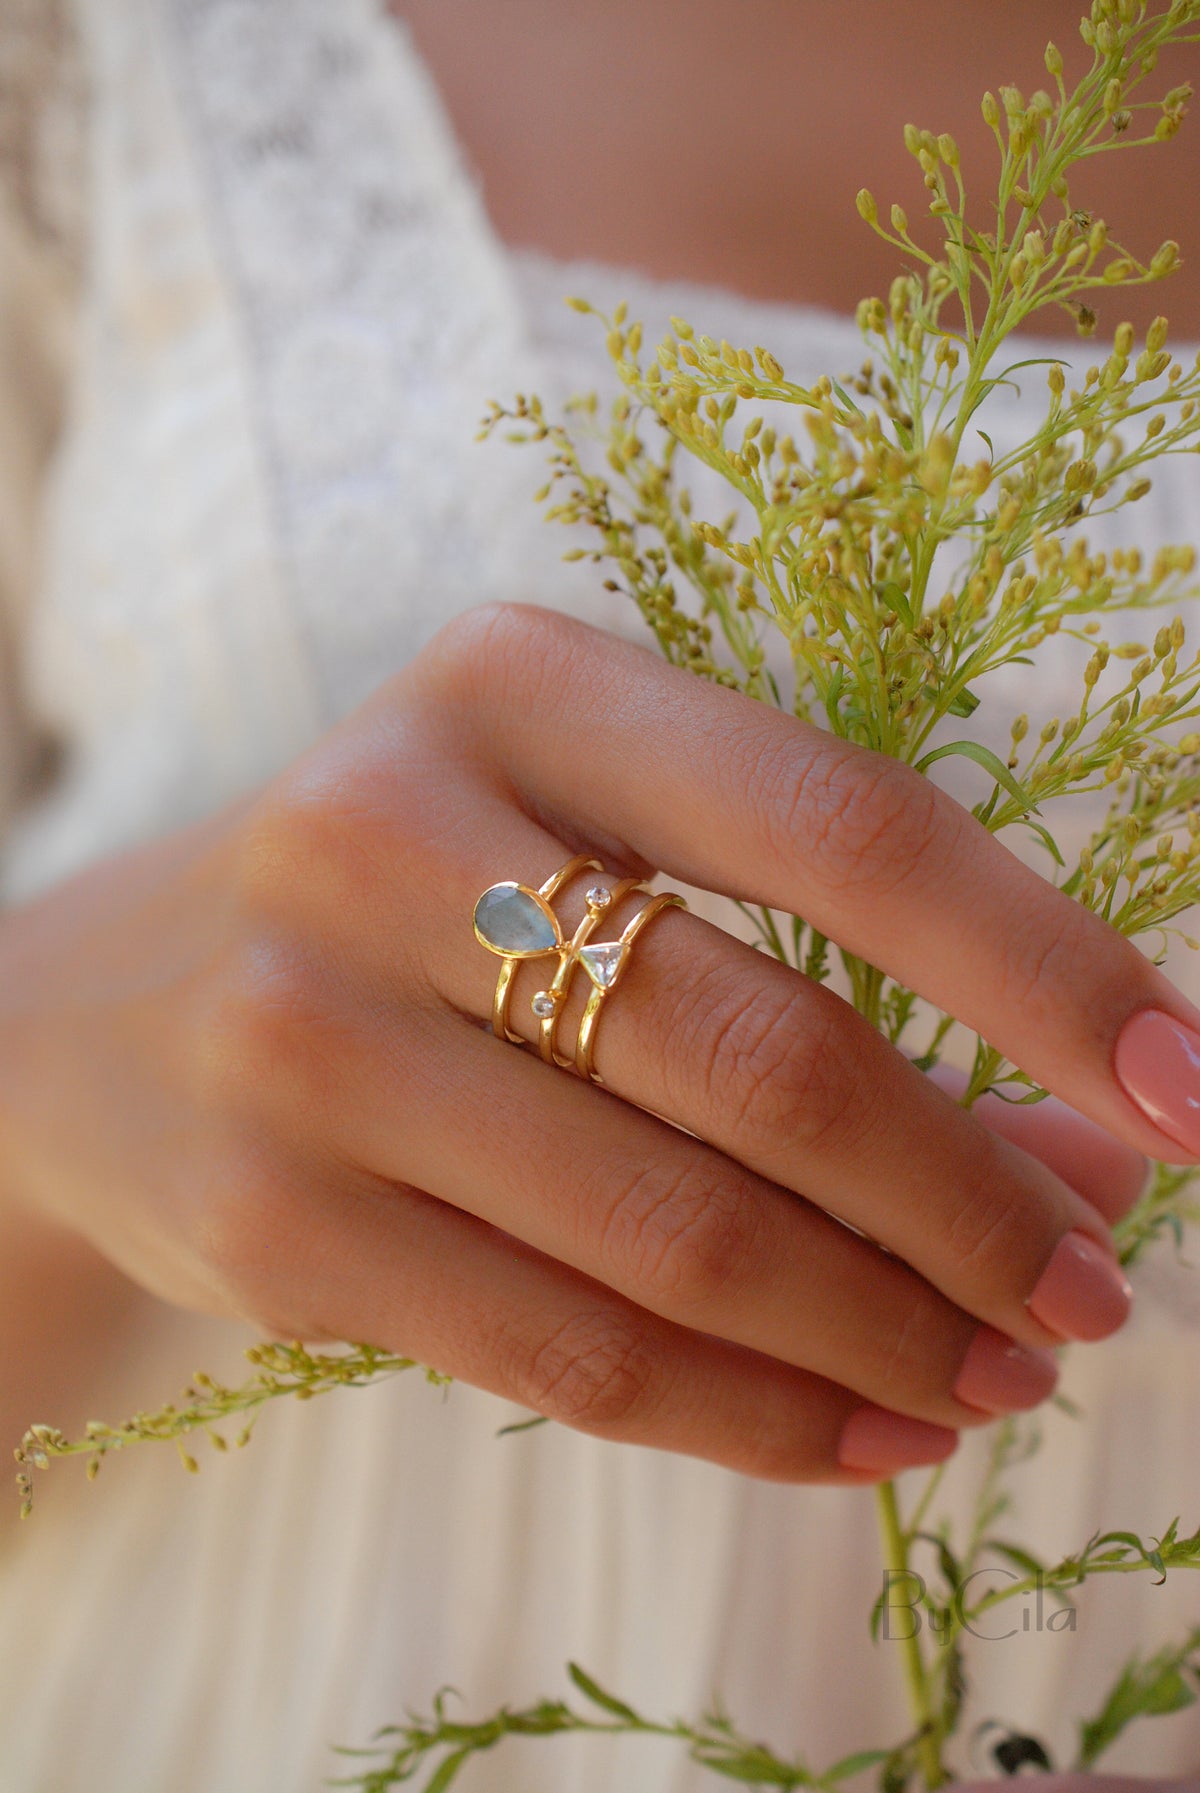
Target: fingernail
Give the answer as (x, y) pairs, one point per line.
(1083, 1293)
(1000, 1376)
(881, 1442)
(1157, 1062)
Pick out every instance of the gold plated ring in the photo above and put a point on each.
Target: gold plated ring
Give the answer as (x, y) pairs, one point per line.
(517, 923)
(615, 963)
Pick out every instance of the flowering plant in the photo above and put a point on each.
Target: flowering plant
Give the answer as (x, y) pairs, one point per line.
(901, 575)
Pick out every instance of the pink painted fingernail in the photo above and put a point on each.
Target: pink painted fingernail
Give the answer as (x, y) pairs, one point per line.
(1083, 1293)
(1000, 1376)
(881, 1442)
(1157, 1062)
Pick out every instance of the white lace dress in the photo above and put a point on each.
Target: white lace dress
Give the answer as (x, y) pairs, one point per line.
(273, 308)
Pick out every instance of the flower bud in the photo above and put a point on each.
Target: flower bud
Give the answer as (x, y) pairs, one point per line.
(899, 220)
(912, 140)
(948, 150)
(1123, 339)
(1165, 259)
(865, 202)
(1156, 335)
(1054, 61)
(990, 110)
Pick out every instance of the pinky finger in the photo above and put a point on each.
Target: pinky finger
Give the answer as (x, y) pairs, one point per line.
(417, 1276)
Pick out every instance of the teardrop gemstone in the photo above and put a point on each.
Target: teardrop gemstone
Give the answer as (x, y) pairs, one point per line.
(517, 922)
(603, 961)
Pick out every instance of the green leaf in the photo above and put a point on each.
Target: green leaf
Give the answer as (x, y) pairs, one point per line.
(988, 440)
(448, 1772)
(606, 1701)
(948, 1563)
(845, 398)
(877, 1612)
(856, 1764)
(1144, 1689)
(1046, 838)
(523, 1425)
(1034, 1096)
(983, 756)
(1027, 1563)
(965, 703)
(896, 599)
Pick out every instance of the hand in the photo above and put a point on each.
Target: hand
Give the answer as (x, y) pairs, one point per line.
(250, 1063)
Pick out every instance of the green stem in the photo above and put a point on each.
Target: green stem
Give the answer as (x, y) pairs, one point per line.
(895, 1554)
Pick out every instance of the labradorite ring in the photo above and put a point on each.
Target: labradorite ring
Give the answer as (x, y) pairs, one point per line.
(517, 923)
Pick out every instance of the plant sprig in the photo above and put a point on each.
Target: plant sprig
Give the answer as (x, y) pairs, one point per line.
(442, 1745)
(903, 562)
(206, 1405)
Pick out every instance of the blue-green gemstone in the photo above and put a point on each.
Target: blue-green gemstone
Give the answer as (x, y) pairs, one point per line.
(512, 921)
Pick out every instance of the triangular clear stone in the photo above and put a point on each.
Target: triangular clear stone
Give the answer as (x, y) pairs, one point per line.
(603, 961)
(510, 919)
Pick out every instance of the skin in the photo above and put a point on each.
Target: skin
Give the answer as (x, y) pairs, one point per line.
(284, 1106)
(610, 132)
(245, 1069)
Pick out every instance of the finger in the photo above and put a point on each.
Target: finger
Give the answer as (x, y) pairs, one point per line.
(393, 1265)
(609, 742)
(1108, 1173)
(668, 1222)
(781, 1076)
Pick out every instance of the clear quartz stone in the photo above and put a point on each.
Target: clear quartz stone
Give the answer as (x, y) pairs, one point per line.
(602, 962)
(542, 1004)
(598, 897)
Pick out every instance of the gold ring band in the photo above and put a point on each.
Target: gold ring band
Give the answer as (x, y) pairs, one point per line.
(517, 922)
(585, 1043)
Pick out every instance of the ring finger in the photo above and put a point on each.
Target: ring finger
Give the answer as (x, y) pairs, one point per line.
(783, 1077)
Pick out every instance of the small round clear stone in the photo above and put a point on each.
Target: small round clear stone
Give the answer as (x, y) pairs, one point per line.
(599, 897)
(542, 1004)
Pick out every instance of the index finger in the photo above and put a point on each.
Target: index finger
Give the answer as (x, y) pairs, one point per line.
(615, 745)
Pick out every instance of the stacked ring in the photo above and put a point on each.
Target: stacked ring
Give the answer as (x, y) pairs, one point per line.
(517, 923)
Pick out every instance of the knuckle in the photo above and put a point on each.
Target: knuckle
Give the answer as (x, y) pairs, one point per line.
(858, 818)
(777, 1064)
(914, 1338)
(992, 1232)
(482, 651)
(595, 1372)
(321, 840)
(1055, 945)
(682, 1233)
(267, 1032)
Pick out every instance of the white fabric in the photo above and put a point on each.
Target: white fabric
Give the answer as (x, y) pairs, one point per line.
(268, 496)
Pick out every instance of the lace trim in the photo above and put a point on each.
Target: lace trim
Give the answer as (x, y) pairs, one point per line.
(378, 315)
